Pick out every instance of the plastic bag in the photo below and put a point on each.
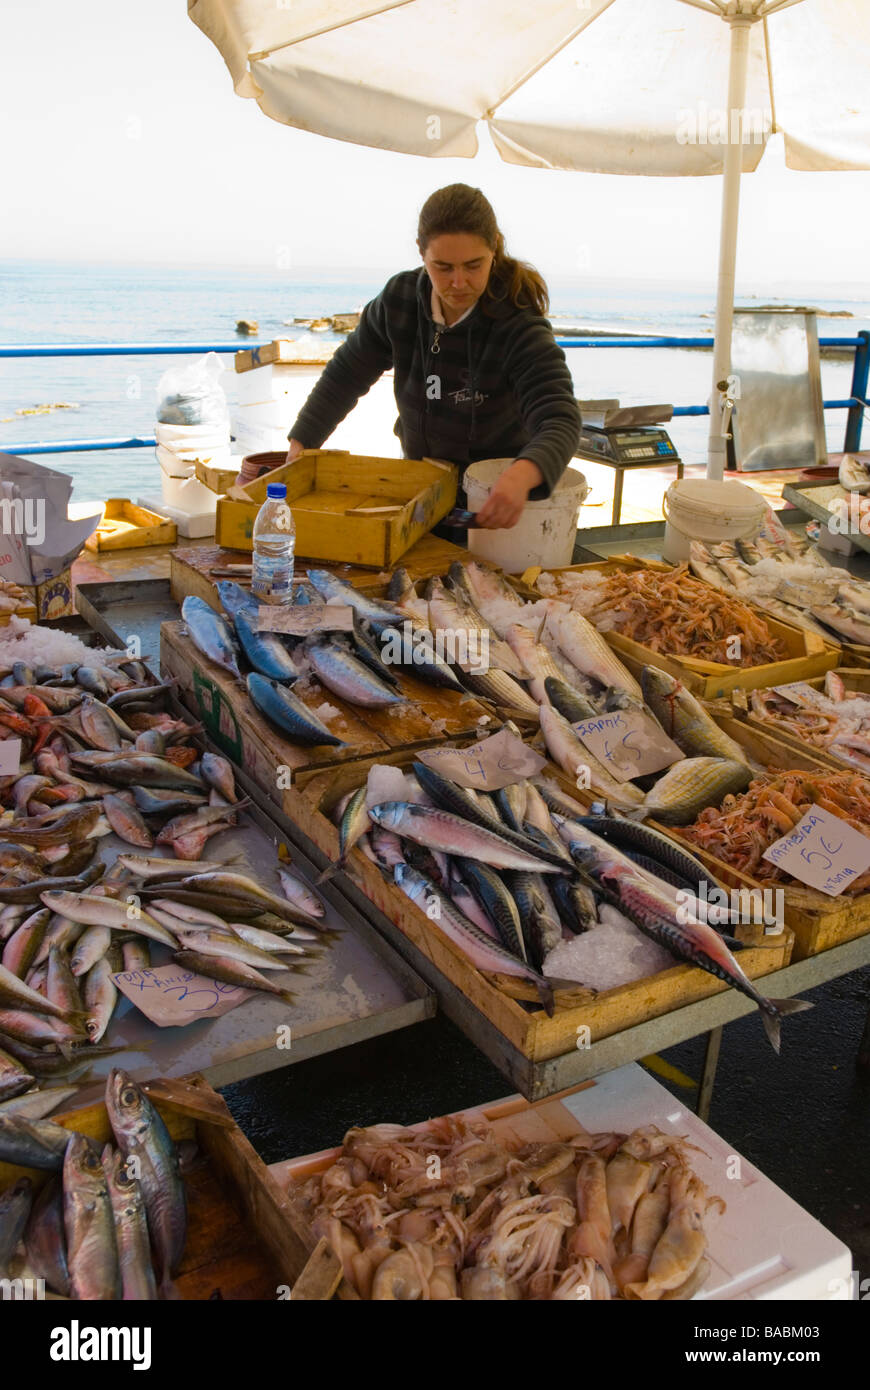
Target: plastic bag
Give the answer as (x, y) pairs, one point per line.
(190, 395)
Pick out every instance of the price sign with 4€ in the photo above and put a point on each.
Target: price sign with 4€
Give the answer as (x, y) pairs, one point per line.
(823, 852)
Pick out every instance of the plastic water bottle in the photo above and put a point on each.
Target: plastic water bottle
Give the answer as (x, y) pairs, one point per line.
(274, 548)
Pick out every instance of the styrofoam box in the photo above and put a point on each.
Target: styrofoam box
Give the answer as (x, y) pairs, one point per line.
(250, 441)
(764, 1246)
(277, 414)
(192, 525)
(274, 380)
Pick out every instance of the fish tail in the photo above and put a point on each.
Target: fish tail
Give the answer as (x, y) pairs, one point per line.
(167, 1290)
(773, 1011)
(545, 991)
(327, 873)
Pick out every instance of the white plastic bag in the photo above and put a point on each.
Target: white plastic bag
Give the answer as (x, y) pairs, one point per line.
(190, 395)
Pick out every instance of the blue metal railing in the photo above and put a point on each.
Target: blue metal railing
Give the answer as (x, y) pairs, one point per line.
(855, 404)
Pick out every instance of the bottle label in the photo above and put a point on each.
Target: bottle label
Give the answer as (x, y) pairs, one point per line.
(271, 578)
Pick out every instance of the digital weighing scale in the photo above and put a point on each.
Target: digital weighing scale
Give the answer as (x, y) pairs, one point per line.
(626, 437)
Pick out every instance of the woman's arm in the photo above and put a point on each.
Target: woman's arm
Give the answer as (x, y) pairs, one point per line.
(353, 370)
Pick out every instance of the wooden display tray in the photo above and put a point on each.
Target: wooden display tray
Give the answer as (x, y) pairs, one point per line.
(854, 678)
(191, 568)
(127, 527)
(244, 1239)
(535, 1035)
(817, 920)
(231, 720)
(349, 508)
(808, 654)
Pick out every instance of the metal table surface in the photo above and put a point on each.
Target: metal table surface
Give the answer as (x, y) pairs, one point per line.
(357, 988)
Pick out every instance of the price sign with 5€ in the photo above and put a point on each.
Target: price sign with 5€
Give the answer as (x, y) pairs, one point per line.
(823, 852)
(628, 742)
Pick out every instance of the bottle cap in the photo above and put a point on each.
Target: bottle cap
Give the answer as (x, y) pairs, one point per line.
(276, 489)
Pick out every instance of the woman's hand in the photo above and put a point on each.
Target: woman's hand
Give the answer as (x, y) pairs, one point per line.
(504, 505)
(295, 450)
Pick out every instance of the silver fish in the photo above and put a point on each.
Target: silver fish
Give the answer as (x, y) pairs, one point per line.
(141, 1133)
(211, 634)
(440, 830)
(92, 1251)
(652, 906)
(131, 1228)
(296, 891)
(481, 949)
(336, 667)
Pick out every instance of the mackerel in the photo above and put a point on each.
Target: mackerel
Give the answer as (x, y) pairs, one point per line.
(440, 830)
(264, 650)
(284, 709)
(210, 634)
(481, 949)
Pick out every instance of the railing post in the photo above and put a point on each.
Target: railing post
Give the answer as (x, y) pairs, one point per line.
(860, 374)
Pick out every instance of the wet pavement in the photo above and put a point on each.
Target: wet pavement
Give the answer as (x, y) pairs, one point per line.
(802, 1118)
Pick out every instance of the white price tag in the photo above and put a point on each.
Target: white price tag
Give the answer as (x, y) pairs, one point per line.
(10, 756)
(823, 852)
(627, 742)
(498, 761)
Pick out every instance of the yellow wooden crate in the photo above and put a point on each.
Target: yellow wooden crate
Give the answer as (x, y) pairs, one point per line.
(127, 527)
(497, 996)
(347, 507)
(808, 654)
(218, 480)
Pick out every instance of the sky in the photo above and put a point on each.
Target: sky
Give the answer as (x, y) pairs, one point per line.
(122, 140)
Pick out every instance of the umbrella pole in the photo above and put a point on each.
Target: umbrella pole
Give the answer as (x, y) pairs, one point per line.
(719, 408)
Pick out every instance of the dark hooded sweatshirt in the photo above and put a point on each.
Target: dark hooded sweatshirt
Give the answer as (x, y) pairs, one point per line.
(495, 386)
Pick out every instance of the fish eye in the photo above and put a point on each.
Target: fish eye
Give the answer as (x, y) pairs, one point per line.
(128, 1095)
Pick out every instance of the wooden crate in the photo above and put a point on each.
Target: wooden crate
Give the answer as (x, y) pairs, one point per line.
(284, 350)
(244, 1238)
(127, 527)
(817, 920)
(348, 508)
(854, 678)
(250, 740)
(215, 479)
(808, 654)
(196, 569)
(534, 1034)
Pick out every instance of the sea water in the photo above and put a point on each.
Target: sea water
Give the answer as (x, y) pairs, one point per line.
(115, 397)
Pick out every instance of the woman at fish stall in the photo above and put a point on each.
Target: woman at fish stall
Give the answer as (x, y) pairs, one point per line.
(478, 373)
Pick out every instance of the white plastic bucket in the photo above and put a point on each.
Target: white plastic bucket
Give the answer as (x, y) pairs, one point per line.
(546, 531)
(703, 510)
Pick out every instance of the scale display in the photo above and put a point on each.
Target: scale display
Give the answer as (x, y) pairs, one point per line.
(627, 446)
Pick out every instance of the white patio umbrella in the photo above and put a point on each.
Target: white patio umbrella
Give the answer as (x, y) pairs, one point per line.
(650, 87)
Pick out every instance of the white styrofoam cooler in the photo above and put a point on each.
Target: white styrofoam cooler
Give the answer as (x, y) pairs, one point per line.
(274, 380)
(764, 1246)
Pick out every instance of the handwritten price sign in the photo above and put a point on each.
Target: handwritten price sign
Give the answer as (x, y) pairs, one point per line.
(497, 761)
(171, 997)
(822, 851)
(628, 742)
(300, 621)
